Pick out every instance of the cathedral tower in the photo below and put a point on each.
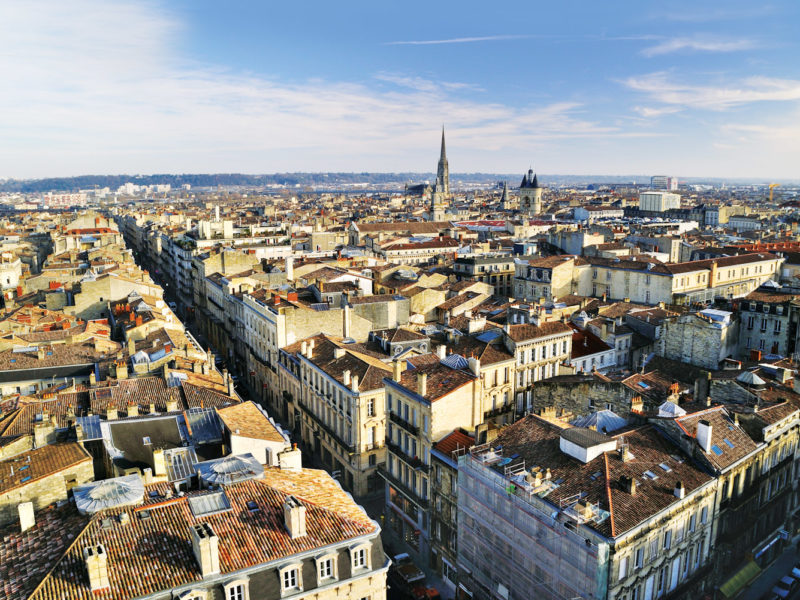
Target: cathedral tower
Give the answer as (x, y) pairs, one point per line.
(441, 189)
(530, 194)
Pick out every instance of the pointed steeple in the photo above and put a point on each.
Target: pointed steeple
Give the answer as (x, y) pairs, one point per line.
(504, 199)
(524, 183)
(535, 182)
(443, 171)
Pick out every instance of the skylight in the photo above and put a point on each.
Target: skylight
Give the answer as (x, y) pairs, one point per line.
(643, 385)
(716, 450)
(727, 441)
(650, 475)
(666, 468)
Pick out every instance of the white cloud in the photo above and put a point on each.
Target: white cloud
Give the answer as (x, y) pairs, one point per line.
(461, 40)
(698, 44)
(669, 89)
(650, 112)
(93, 87)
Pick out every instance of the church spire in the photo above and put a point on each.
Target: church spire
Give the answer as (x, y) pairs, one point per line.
(443, 171)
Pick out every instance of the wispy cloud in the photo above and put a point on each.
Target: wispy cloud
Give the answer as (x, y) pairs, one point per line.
(698, 44)
(650, 112)
(668, 89)
(461, 40)
(100, 88)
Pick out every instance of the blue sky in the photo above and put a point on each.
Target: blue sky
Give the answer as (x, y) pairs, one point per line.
(683, 88)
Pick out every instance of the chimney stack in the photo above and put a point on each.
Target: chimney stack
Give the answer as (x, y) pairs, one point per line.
(290, 460)
(96, 560)
(475, 366)
(159, 463)
(26, 516)
(680, 490)
(397, 370)
(703, 435)
(133, 409)
(172, 405)
(346, 377)
(422, 384)
(111, 413)
(628, 484)
(354, 383)
(205, 544)
(294, 516)
(441, 351)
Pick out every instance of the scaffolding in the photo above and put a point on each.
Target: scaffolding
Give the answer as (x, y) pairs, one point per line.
(514, 544)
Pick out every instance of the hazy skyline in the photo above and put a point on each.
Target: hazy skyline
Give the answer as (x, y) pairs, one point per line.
(688, 89)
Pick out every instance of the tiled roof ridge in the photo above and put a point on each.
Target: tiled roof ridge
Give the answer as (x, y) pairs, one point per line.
(608, 495)
(56, 563)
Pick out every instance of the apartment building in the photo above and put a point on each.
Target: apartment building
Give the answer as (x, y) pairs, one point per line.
(424, 403)
(341, 405)
(703, 339)
(551, 511)
(539, 349)
(498, 271)
(550, 278)
(767, 324)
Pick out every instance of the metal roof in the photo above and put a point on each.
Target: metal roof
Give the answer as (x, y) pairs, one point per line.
(109, 493)
(209, 504)
(229, 469)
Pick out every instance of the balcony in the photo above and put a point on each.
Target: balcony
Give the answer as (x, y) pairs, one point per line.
(496, 412)
(350, 448)
(400, 422)
(402, 488)
(412, 461)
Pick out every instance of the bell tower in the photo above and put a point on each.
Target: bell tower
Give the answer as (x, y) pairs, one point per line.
(530, 194)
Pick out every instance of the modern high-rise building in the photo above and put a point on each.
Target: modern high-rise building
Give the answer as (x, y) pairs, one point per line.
(664, 182)
(658, 201)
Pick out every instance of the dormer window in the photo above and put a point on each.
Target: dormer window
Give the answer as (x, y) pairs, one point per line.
(360, 557)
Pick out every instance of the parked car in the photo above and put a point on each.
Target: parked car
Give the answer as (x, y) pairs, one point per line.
(408, 580)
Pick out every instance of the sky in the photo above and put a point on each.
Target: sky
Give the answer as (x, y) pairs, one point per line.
(690, 89)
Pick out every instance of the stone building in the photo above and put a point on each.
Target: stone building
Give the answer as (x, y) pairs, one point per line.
(41, 477)
(767, 324)
(444, 504)
(288, 533)
(539, 349)
(423, 404)
(341, 404)
(551, 511)
(702, 339)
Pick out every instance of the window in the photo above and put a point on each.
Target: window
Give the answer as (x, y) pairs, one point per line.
(236, 591)
(359, 558)
(623, 567)
(327, 569)
(639, 560)
(371, 407)
(667, 540)
(290, 579)
(704, 515)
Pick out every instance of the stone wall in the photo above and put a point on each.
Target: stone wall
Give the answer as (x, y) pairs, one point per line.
(574, 396)
(45, 491)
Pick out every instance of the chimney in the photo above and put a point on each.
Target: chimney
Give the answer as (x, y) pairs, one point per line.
(703, 435)
(121, 369)
(294, 517)
(92, 378)
(628, 484)
(397, 370)
(422, 384)
(304, 348)
(346, 317)
(26, 516)
(625, 453)
(151, 408)
(289, 268)
(111, 413)
(231, 387)
(290, 460)
(354, 383)
(40, 353)
(346, 376)
(172, 405)
(311, 344)
(205, 545)
(96, 561)
(133, 409)
(680, 490)
(441, 351)
(475, 366)
(338, 352)
(159, 464)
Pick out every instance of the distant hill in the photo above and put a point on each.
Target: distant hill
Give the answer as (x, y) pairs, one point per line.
(330, 180)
